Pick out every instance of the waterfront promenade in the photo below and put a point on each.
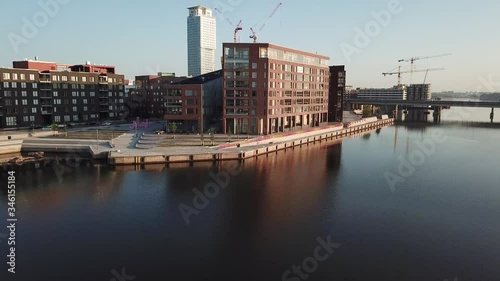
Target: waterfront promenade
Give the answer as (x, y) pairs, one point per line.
(120, 145)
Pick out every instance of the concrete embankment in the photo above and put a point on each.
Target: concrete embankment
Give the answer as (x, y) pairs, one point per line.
(255, 147)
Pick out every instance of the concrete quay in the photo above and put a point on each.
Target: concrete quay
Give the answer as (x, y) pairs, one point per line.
(235, 151)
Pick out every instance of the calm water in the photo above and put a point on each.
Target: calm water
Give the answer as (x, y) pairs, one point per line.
(440, 222)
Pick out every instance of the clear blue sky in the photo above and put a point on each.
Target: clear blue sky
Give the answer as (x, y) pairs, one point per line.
(143, 37)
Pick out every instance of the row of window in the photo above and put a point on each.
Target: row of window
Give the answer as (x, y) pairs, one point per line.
(22, 76)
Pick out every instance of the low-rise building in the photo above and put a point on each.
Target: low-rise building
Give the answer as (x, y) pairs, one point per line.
(195, 104)
(395, 93)
(42, 93)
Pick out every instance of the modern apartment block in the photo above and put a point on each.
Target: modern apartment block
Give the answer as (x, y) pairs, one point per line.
(419, 92)
(395, 93)
(195, 104)
(336, 93)
(270, 89)
(42, 93)
(201, 40)
(147, 97)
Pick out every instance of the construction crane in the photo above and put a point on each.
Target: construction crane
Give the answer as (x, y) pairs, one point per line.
(237, 27)
(413, 59)
(399, 73)
(254, 33)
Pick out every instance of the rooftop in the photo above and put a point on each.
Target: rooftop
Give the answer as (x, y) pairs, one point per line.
(200, 79)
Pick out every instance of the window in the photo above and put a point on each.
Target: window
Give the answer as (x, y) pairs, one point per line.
(6, 84)
(35, 102)
(254, 84)
(25, 118)
(84, 79)
(32, 77)
(22, 76)
(92, 79)
(14, 76)
(24, 102)
(85, 109)
(54, 93)
(254, 75)
(75, 108)
(64, 78)
(189, 93)
(67, 118)
(75, 118)
(14, 85)
(6, 76)
(33, 110)
(32, 118)
(34, 85)
(85, 101)
(11, 121)
(57, 118)
(23, 93)
(254, 65)
(35, 93)
(92, 94)
(74, 101)
(74, 79)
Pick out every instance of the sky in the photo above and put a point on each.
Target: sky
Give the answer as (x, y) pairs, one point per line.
(368, 36)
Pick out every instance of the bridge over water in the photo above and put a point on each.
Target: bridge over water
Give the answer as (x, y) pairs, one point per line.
(436, 105)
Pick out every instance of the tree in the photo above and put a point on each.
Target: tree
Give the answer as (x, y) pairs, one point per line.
(212, 135)
(202, 138)
(367, 111)
(54, 128)
(229, 133)
(173, 128)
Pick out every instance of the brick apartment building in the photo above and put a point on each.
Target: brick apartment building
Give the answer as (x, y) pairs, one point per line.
(195, 104)
(147, 96)
(336, 93)
(42, 93)
(268, 88)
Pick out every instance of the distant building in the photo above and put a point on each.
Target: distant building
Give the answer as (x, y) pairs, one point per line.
(42, 93)
(419, 92)
(147, 96)
(268, 88)
(201, 40)
(395, 93)
(195, 104)
(336, 93)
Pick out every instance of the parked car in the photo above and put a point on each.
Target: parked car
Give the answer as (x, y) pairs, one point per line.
(72, 124)
(36, 127)
(106, 124)
(47, 128)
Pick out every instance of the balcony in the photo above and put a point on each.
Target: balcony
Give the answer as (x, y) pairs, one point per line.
(104, 109)
(47, 112)
(46, 104)
(45, 78)
(103, 80)
(45, 96)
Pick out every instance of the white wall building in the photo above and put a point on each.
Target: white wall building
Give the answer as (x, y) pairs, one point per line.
(386, 94)
(201, 40)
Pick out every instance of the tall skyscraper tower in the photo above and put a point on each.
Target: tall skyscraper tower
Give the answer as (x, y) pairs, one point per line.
(201, 31)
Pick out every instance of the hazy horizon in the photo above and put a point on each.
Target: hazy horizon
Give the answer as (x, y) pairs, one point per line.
(150, 37)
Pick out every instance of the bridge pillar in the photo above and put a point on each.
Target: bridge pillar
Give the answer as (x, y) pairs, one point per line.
(492, 114)
(437, 114)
